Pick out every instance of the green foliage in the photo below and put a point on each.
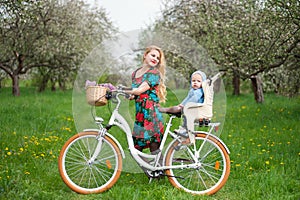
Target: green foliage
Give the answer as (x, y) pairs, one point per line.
(263, 140)
(243, 37)
(49, 39)
(109, 78)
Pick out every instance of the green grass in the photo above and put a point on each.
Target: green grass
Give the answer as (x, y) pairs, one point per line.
(263, 139)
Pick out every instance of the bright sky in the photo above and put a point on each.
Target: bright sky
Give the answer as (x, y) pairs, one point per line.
(130, 15)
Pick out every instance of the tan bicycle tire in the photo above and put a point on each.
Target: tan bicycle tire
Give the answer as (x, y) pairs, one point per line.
(116, 173)
(174, 180)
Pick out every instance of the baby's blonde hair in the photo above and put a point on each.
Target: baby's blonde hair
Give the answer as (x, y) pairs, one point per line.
(162, 92)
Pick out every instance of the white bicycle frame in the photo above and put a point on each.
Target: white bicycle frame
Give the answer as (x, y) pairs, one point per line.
(118, 120)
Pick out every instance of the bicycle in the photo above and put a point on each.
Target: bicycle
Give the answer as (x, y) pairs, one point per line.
(91, 161)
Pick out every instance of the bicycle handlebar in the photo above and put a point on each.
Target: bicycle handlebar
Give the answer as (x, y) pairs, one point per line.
(120, 90)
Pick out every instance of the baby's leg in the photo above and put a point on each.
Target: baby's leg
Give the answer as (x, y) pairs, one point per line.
(173, 109)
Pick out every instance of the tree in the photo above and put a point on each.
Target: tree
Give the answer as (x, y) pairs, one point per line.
(245, 38)
(49, 36)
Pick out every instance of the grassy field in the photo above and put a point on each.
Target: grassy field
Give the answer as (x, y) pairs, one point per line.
(263, 139)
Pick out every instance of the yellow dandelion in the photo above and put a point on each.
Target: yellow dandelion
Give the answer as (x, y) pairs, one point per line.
(267, 162)
(43, 155)
(9, 153)
(282, 163)
(244, 107)
(21, 149)
(27, 173)
(6, 148)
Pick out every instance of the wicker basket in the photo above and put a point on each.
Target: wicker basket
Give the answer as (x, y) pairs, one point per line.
(95, 95)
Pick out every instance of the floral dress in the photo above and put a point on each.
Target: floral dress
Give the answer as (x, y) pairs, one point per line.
(148, 125)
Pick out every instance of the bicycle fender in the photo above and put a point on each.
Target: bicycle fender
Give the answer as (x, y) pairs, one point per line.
(112, 137)
(219, 140)
(215, 137)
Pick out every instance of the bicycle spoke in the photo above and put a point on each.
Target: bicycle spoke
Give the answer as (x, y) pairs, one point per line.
(207, 170)
(85, 177)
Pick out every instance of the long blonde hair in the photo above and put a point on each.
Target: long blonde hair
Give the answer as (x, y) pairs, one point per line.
(162, 92)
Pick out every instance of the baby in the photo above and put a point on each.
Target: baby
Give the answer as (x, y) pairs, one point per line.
(195, 95)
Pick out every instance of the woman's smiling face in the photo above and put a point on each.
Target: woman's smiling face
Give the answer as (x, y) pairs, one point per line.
(152, 58)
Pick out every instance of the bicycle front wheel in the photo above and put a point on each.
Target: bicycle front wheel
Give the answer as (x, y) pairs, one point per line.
(209, 168)
(83, 176)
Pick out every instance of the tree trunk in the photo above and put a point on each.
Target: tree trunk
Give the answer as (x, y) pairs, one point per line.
(62, 85)
(43, 83)
(52, 81)
(15, 85)
(257, 89)
(236, 83)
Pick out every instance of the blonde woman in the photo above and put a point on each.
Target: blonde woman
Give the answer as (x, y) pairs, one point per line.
(149, 90)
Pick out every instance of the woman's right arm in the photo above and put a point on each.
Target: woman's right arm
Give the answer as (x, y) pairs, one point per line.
(137, 91)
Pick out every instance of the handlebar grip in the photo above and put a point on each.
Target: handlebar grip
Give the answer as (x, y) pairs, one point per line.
(127, 95)
(122, 87)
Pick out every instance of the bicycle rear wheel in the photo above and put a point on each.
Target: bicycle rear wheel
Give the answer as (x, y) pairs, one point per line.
(84, 177)
(211, 169)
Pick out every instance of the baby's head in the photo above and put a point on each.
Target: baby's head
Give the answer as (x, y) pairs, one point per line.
(196, 79)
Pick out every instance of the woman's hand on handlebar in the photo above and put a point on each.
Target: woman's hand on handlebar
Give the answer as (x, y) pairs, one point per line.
(129, 94)
(127, 91)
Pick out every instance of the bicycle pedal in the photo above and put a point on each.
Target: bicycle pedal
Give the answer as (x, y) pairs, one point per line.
(182, 134)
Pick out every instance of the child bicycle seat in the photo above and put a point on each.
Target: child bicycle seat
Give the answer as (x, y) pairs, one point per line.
(195, 112)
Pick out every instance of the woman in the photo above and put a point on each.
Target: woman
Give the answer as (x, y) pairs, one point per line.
(149, 90)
